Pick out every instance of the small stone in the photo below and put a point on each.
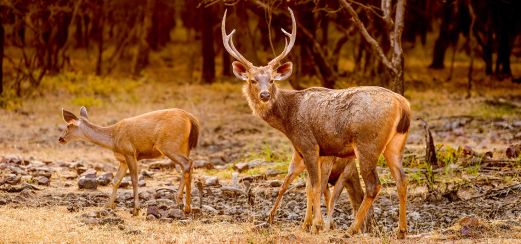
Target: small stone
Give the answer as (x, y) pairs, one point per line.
(202, 163)
(13, 179)
(147, 174)
(90, 173)
(141, 183)
(275, 183)
(151, 217)
(125, 182)
(273, 172)
(291, 204)
(211, 181)
(176, 213)
(162, 165)
(168, 220)
(210, 209)
(105, 179)
(80, 170)
(42, 180)
(3, 201)
(154, 211)
(87, 183)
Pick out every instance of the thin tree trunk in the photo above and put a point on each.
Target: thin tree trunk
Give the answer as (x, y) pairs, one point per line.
(99, 37)
(2, 37)
(141, 59)
(207, 41)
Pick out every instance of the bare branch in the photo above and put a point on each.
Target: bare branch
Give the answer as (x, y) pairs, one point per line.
(374, 44)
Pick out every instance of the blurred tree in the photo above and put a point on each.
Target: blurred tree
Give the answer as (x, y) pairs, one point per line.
(207, 41)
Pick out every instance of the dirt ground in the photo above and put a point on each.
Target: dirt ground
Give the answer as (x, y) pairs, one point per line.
(468, 198)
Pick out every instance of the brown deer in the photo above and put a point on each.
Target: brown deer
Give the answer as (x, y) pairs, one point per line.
(362, 121)
(339, 172)
(170, 132)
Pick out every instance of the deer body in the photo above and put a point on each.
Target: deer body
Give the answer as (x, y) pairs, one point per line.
(363, 122)
(170, 132)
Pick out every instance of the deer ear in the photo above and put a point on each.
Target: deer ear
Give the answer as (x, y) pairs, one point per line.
(83, 112)
(68, 116)
(283, 71)
(240, 70)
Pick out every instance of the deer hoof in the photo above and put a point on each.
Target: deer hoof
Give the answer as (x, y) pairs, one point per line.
(135, 212)
(306, 226)
(400, 234)
(352, 231)
(110, 205)
(315, 229)
(187, 210)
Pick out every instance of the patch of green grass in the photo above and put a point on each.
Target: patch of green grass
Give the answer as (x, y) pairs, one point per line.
(86, 101)
(493, 110)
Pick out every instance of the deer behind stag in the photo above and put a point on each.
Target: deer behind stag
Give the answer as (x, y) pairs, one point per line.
(362, 121)
(170, 132)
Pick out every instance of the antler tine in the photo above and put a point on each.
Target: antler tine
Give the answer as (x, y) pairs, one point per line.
(292, 38)
(228, 43)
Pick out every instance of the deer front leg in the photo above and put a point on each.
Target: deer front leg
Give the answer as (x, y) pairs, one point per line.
(133, 169)
(294, 169)
(309, 206)
(312, 162)
(117, 180)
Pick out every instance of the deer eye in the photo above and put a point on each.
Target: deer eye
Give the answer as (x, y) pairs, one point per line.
(253, 82)
(271, 81)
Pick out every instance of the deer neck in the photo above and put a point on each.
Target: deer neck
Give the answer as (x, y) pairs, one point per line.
(101, 136)
(273, 112)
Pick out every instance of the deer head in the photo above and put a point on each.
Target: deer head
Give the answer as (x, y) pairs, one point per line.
(73, 131)
(260, 85)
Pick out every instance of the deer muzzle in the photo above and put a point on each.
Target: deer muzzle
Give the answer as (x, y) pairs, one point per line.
(61, 140)
(265, 96)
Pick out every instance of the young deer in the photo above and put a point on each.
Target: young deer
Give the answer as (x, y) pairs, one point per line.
(362, 121)
(170, 132)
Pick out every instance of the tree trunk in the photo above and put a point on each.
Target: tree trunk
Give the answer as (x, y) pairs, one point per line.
(207, 40)
(2, 37)
(141, 59)
(99, 37)
(227, 64)
(442, 42)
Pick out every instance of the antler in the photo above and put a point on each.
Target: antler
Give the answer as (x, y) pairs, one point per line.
(228, 43)
(292, 38)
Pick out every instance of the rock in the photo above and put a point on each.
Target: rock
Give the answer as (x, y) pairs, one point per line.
(87, 183)
(153, 211)
(17, 170)
(42, 171)
(218, 158)
(19, 188)
(80, 170)
(273, 172)
(202, 163)
(247, 165)
(162, 165)
(232, 191)
(151, 217)
(27, 178)
(176, 213)
(210, 209)
(90, 173)
(125, 182)
(291, 204)
(211, 181)
(275, 183)
(167, 220)
(513, 151)
(145, 195)
(3, 201)
(141, 183)
(42, 180)
(13, 179)
(105, 179)
(147, 174)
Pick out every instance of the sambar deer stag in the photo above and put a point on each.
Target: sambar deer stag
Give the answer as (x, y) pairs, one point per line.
(170, 132)
(361, 121)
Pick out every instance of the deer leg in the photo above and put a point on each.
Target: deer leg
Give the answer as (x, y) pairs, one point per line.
(309, 206)
(337, 190)
(117, 180)
(326, 167)
(356, 193)
(133, 169)
(294, 169)
(186, 181)
(312, 162)
(372, 187)
(393, 156)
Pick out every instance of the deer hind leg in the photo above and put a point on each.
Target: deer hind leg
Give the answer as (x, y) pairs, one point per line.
(133, 169)
(368, 159)
(393, 155)
(295, 168)
(117, 180)
(337, 190)
(326, 167)
(356, 193)
(186, 181)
